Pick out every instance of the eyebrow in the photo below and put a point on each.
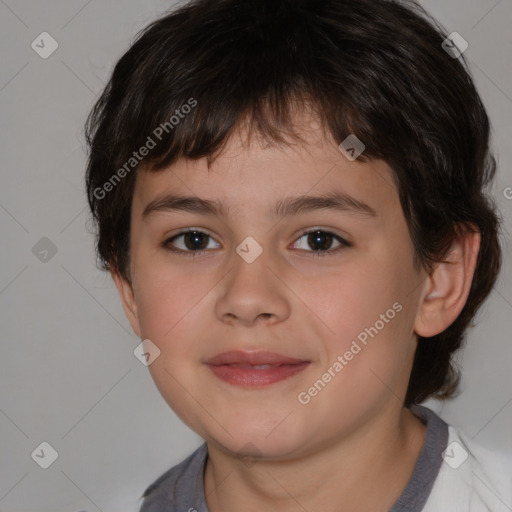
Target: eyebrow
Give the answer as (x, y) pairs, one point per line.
(338, 201)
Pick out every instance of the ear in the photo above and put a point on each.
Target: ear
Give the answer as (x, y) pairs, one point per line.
(127, 295)
(447, 287)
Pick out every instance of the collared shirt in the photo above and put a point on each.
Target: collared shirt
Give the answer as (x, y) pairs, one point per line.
(452, 474)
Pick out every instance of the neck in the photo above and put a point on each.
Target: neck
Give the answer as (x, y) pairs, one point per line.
(367, 471)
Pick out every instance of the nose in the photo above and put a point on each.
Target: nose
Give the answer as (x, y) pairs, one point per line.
(253, 292)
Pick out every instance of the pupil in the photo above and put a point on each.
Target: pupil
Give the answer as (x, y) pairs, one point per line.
(319, 236)
(195, 235)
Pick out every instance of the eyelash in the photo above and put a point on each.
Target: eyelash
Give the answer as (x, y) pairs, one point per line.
(314, 254)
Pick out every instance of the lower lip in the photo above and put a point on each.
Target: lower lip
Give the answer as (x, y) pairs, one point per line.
(253, 377)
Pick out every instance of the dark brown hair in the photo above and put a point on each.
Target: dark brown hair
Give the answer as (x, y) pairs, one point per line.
(373, 68)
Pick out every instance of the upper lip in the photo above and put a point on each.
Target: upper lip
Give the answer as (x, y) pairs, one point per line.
(252, 358)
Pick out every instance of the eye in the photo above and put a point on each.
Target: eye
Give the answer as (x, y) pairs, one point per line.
(193, 241)
(321, 242)
(196, 241)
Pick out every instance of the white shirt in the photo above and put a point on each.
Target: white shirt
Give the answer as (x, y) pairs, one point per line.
(471, 479)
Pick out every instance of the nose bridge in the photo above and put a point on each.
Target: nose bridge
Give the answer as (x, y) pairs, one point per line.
(251, 260)
(252, 288)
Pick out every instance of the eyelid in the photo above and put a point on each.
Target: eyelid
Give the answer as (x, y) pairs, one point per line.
(169, 239)
(344, 243)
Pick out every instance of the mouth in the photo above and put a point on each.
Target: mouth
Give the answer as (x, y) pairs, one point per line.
(254, 369)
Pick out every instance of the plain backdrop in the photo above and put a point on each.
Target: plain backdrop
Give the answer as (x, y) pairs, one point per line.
(68, 375)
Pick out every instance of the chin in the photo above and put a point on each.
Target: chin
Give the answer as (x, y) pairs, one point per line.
(256, 443)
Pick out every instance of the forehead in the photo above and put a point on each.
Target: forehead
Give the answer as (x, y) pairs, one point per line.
(260, 175)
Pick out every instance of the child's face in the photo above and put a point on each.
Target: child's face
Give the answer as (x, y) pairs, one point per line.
(286, 301)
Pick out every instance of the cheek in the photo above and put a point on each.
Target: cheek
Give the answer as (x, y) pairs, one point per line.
(166, 302)
(370, 369)
(348, 301)
(169, 305)
(369, 327)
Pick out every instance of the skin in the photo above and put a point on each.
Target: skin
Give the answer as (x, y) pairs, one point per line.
(353, 446)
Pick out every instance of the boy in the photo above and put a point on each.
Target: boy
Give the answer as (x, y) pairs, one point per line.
(290, 197)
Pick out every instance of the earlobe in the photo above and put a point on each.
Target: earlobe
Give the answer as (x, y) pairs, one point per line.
(447, 287)
(127, 296)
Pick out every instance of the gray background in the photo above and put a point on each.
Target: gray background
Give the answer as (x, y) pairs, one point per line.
(68, 373)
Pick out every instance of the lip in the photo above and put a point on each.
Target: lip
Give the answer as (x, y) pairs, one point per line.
(254, 369)
(252, 358)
